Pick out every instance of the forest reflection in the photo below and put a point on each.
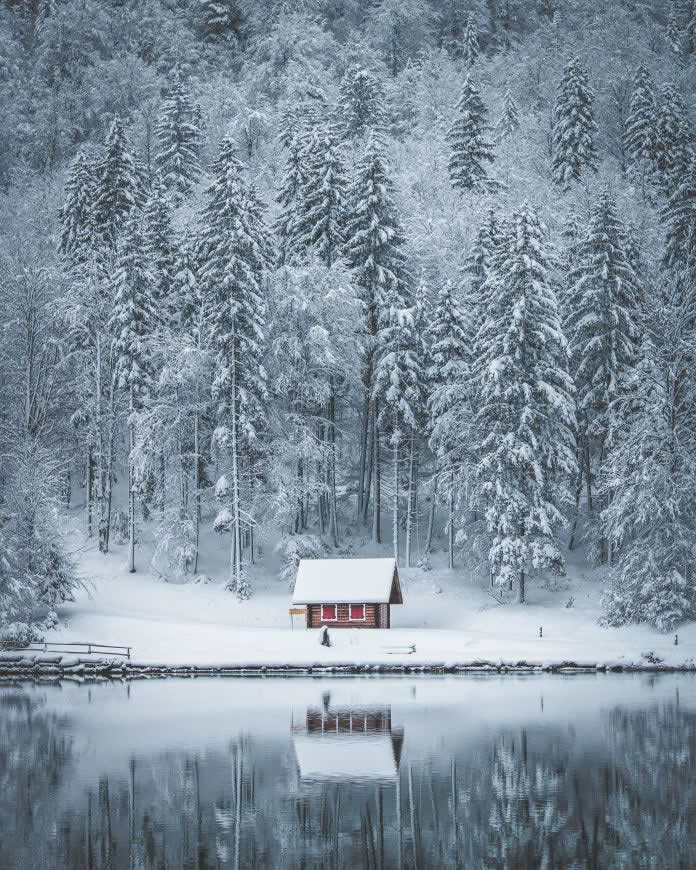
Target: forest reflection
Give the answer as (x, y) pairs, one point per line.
(343, 789)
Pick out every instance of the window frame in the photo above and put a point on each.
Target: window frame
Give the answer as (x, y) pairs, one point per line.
(333, 618)
(362, 618)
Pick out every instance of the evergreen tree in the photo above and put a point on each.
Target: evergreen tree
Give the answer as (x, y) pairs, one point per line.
(77, 212)
(680, 220)
(161, 249)
(469, 145)
(322, 216)
(398, 391)
(360, 103)
(179, 139)
(133, 324)
(509, 122)
(220, 20)
(374, 250)
(639, 132)
(652, 472)
(449, 401)
(574, 128)
(672, 140)
(117, 191)
(603, 327)
(674, 33)
(470, 42)
(290, 198)
(526, 415)
(234, 256)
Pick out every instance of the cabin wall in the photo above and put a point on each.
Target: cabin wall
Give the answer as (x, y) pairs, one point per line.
(373, 618)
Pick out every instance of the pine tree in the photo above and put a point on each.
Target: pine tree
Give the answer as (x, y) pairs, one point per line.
(639, 132)
(679, 215)
(290, 198)
(470, 42)
(117, 191)
(398, 393)
(360, 103)
(449, 401)
(603, 327)
(133, 324)
(221, 20)
(322, 214)
(179, 139)
(161, 248)
(234, 256)
(672, 140)
(469, 145)
(574, 128)
(652, 473)
(674, 33)
(509, 122)
(374, 251)
(76, 215)
(526, 415)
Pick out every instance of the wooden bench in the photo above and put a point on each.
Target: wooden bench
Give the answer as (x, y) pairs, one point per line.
(400, 649)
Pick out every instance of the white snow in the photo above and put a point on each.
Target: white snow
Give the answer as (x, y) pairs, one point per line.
(345, 581)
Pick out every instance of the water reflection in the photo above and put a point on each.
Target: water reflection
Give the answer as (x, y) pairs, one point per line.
(338, 783)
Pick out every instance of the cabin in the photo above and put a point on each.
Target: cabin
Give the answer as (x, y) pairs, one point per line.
(347, 593)
(344, 743)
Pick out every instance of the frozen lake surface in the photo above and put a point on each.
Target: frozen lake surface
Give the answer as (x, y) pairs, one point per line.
(587, 771)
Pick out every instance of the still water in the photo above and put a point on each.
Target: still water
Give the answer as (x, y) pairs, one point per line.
(494, 772)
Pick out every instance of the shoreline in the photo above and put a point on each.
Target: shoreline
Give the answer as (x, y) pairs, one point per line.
(14, 665)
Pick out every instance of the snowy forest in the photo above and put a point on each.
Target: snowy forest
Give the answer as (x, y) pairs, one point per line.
(297, 270)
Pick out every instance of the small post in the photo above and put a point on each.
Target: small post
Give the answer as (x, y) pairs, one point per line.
(676, 640)
(541, 631)
(89, 649)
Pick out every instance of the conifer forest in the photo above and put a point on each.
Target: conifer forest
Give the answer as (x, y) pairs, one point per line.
(283, 278)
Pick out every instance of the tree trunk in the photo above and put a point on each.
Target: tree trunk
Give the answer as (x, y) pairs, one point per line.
(410, 497)
(131, 486)
(431, 518)
(520, 589)
(450, 523)
(376, 509)
(369, 470)
(197, 485)
(365, 448)
(236, 560)
(333, 511)
(90, 491)
(578, 492)
(395, 504)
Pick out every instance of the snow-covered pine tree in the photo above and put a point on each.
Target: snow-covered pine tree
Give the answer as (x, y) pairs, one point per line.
(603, 325)
(526, 416)
(361, 103)
(161, 246)
(76, 215)
(133, 323)
(178, 139)
(574, 128)
(374, 251)
(290, 198)
(674, 30)
(449, 402)
(221, 20)
(673, 137)
(470, 42)
(234, 255)
(651, 471)
(398, 393)
(639, 131)
(679, 215)
(117, 191)
(321, 222)
(468, 142)
(509, 122)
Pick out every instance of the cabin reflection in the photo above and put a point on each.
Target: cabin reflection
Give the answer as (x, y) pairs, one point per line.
(349, 744)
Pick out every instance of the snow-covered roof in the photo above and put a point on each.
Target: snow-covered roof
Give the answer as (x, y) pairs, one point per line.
(342, 756)
(347, 581)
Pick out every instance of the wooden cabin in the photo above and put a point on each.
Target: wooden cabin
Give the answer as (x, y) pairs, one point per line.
(347, 593)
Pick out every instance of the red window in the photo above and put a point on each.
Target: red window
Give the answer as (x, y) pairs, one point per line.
(328, 611)
(357, 612)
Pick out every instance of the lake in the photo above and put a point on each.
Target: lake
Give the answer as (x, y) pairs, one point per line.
(588, 771)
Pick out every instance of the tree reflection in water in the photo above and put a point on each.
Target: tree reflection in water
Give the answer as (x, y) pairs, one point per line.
(542, 798)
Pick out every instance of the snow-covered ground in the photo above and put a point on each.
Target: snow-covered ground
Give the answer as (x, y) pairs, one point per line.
(448, 615)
